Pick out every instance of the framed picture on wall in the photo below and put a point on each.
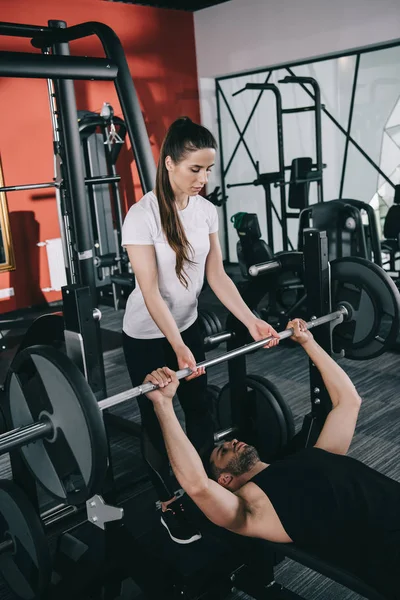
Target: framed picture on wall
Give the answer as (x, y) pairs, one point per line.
(7, 258)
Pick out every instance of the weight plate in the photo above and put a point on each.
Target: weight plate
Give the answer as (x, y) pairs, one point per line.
(215, 322)
(374, 304)
(286, 410)
(46, 330)
(205, 325)
(26, 567)
(44, 384)
(268, 430)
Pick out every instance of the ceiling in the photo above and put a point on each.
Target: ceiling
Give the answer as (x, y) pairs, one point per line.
(188, 5)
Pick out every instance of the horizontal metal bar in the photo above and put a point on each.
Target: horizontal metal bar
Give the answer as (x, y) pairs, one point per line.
(261, 86)
(218, 338)
(47, 66)
(53, 184)
(220, 435)
(18, 30)
(312, 179)
(271, 266)
(28, 186)
(296, 79)
(25, 435)
(231, 185)
(338, 315)
(289, 111)
(57, 514)
(313, 166)
(102, 179)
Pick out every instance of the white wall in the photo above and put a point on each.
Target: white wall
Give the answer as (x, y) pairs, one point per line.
(243, 35)
(246, 34)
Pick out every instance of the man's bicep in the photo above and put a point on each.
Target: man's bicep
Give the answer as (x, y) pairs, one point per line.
(338, 430)
(221, 506)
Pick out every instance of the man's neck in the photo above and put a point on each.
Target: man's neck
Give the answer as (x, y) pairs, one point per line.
(246, 477)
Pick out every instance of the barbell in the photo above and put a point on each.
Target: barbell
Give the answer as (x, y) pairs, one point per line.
(58, 423)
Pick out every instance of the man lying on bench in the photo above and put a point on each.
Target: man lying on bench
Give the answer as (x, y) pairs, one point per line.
(326, 503)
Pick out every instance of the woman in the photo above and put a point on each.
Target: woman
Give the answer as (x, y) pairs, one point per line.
(171, 236)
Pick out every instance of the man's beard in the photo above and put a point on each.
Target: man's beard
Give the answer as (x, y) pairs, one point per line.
(243, 462)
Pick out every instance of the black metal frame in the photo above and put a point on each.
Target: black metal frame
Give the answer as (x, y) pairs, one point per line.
(56, 64)
(357, 52)
(266, 180)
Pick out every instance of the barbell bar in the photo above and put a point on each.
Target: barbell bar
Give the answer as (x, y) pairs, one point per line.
(45, 429)
(339, 315)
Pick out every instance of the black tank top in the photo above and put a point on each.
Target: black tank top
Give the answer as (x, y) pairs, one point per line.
(339, 509)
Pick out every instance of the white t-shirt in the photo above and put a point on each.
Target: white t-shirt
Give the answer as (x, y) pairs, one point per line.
(142, 226)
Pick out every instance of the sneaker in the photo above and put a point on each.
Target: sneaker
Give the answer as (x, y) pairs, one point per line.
(178, 527)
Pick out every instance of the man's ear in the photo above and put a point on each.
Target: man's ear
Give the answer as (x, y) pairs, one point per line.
(225, 479)
(169, 164)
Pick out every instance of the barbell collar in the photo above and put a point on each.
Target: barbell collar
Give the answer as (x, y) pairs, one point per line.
(145, 388)
(23, 435)
(218, 338)
(270, 265)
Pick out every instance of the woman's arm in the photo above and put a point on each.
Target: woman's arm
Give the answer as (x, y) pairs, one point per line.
(228, 294)
(144, 265)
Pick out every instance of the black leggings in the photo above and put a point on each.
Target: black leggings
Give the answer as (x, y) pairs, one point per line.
(144, 356)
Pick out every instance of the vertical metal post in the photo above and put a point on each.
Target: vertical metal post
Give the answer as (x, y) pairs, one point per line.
(66, 103)
(268, 212)
(281, 157)
(62, 200)
(318, 139)
(317, 288)
(221, 155)
(82, 337)
(116, 200)
(240, 404)
(79, 299)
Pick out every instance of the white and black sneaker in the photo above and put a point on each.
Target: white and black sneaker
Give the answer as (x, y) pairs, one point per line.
(178, 527)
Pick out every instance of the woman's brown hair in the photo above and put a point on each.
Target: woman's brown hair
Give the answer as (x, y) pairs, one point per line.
(182, 137)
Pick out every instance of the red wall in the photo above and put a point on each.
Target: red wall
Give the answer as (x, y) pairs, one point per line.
(160, 49)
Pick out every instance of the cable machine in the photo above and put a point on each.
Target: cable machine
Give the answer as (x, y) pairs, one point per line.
(303, 170)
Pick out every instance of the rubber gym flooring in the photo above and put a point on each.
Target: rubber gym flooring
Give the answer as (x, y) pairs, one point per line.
(376, 441)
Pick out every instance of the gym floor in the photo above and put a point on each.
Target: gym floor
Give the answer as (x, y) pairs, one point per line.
(376, 442)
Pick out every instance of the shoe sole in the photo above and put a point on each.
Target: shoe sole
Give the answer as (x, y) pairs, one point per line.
(194, 538)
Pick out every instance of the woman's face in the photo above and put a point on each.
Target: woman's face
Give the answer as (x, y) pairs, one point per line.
(191, 174)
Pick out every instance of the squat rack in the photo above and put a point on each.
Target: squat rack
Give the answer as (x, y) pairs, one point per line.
(82, 335)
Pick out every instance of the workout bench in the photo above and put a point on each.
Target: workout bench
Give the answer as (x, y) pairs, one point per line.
(334, 572)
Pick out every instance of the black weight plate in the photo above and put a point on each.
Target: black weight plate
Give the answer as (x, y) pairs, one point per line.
(287, 411)
(375, 307)
(269, 431)
(44, 384)
(26, 568)
(46, 330)
(210, 322)
(205, 325)
(215, 323)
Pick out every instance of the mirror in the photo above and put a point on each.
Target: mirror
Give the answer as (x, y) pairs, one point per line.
(7, 260)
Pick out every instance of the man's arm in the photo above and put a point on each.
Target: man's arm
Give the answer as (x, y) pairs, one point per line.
(221, 506)
(338, 430)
